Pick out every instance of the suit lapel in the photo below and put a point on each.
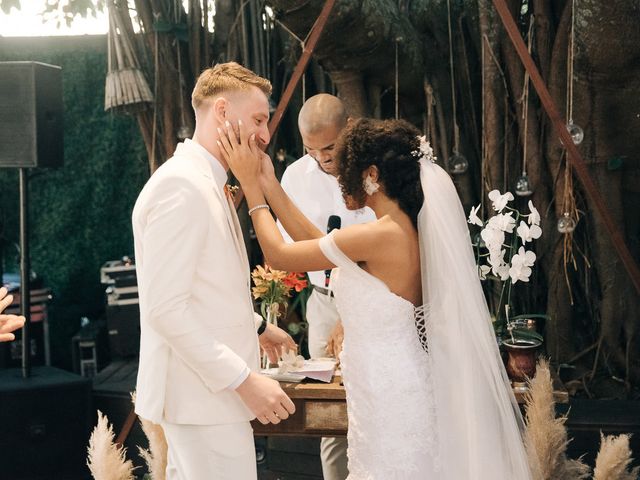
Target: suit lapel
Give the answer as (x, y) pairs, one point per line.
(234, 228)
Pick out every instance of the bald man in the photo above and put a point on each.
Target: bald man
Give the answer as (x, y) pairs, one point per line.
(311, 184)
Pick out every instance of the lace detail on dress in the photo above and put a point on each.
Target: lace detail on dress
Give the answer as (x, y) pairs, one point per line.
(421, 326)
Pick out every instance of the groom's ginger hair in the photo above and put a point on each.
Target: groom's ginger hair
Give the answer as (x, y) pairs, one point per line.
(226, 77)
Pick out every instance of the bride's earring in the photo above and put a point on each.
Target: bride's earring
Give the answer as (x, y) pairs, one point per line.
(370, 186)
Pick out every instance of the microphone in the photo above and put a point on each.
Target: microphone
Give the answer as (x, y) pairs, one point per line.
(334, 222)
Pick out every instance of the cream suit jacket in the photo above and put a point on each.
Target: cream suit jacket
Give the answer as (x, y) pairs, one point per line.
(196, 316)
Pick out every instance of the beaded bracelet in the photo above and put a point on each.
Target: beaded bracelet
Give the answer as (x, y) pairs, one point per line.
(258, 207)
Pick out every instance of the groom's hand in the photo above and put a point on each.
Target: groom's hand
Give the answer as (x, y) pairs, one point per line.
(274, 341)
(265, 399)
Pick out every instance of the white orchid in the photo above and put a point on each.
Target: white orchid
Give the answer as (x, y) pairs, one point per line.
(534, 216)
(473, 216)
(493, 238)
(521, 264)
(502, 221)
(501, 235)
(528, 234)
(499, 200)
(483, 271)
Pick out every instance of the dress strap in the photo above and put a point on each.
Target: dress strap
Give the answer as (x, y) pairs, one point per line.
(334, 254)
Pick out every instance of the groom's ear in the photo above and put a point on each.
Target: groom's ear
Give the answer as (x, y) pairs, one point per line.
(220, 109)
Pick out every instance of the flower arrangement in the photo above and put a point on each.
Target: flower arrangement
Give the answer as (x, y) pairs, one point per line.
(273, 287)
(507, 259)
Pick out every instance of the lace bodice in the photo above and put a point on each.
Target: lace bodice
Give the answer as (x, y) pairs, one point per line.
(386, 375)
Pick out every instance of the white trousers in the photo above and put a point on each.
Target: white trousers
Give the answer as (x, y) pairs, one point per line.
(322, 317)
(210, 452)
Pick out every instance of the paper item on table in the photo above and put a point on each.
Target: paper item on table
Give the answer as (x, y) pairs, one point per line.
(282, 377)
(317, 369)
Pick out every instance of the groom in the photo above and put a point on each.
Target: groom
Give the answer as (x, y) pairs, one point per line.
(199, 351)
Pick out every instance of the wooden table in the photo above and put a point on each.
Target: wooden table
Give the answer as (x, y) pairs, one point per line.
(321, 409)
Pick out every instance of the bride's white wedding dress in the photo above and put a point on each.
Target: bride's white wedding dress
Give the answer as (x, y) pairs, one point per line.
(387, 377)
(448, 414)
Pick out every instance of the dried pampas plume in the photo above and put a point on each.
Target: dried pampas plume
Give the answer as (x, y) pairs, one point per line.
(546, 436)
(105, 459)
(614, 459)
(156, 456)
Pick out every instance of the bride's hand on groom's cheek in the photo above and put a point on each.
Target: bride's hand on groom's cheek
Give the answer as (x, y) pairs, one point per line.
(241, 154)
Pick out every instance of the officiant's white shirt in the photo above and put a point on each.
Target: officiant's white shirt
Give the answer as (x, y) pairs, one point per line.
(318, 196)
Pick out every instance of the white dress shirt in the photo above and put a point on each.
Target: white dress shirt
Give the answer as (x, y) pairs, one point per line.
(318, 196)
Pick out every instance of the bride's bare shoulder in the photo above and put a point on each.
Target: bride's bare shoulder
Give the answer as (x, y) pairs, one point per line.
(363, 240)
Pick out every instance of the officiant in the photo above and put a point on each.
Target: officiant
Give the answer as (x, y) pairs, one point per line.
(312, 185)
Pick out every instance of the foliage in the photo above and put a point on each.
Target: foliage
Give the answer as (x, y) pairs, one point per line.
(80, 213)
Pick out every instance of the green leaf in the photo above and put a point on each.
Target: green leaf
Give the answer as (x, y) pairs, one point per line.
(524, 333)
(531, 315)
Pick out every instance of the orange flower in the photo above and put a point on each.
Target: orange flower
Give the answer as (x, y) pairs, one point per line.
(296, 281)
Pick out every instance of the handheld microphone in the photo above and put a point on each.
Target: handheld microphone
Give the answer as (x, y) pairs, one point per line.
(334, 222)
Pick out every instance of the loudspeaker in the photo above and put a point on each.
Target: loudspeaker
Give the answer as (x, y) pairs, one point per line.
(123, 325)
(31, 119)
(45, 422)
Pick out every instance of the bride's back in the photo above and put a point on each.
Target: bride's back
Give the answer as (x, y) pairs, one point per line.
(396, 261)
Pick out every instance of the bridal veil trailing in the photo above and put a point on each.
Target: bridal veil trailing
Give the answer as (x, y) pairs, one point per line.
(478, 423)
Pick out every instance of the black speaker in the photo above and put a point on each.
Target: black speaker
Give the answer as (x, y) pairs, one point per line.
(31, 120)
(123, 325)
(45, 422)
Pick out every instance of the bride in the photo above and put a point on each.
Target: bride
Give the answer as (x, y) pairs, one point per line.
(427, 395)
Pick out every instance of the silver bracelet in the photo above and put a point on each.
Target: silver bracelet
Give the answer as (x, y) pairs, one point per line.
(258, 207)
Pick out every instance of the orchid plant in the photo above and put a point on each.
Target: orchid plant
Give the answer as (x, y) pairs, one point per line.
(506, 237)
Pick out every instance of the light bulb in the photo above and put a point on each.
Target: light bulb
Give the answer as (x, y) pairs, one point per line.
(576, 132)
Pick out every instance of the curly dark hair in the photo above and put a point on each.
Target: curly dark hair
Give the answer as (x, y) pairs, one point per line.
(387, 144)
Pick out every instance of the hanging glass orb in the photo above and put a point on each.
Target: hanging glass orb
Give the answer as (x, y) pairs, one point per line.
(184, 132)
(523, 186)
(566, 224)
(576, 132)
(457, 164)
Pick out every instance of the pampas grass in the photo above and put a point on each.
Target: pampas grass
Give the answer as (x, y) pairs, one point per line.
(156, 456)
(614, 459)
(546, 436)
(105, 459)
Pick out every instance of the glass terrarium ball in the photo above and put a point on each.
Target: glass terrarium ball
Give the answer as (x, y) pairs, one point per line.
(566, 224)
(576, 132)
(184, 132)
(523, 186)
(457, 164)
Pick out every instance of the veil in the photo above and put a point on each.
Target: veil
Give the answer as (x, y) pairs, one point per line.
(478, 423)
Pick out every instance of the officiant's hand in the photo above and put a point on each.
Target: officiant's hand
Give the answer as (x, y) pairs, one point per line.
(334, 345)
(8, 323)
(274, 341)
(265, 398)
(241, 153)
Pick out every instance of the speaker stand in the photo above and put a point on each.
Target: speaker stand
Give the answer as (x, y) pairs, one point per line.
(25, 272)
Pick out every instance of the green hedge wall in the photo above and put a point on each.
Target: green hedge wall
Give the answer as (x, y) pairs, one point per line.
(80, 213)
